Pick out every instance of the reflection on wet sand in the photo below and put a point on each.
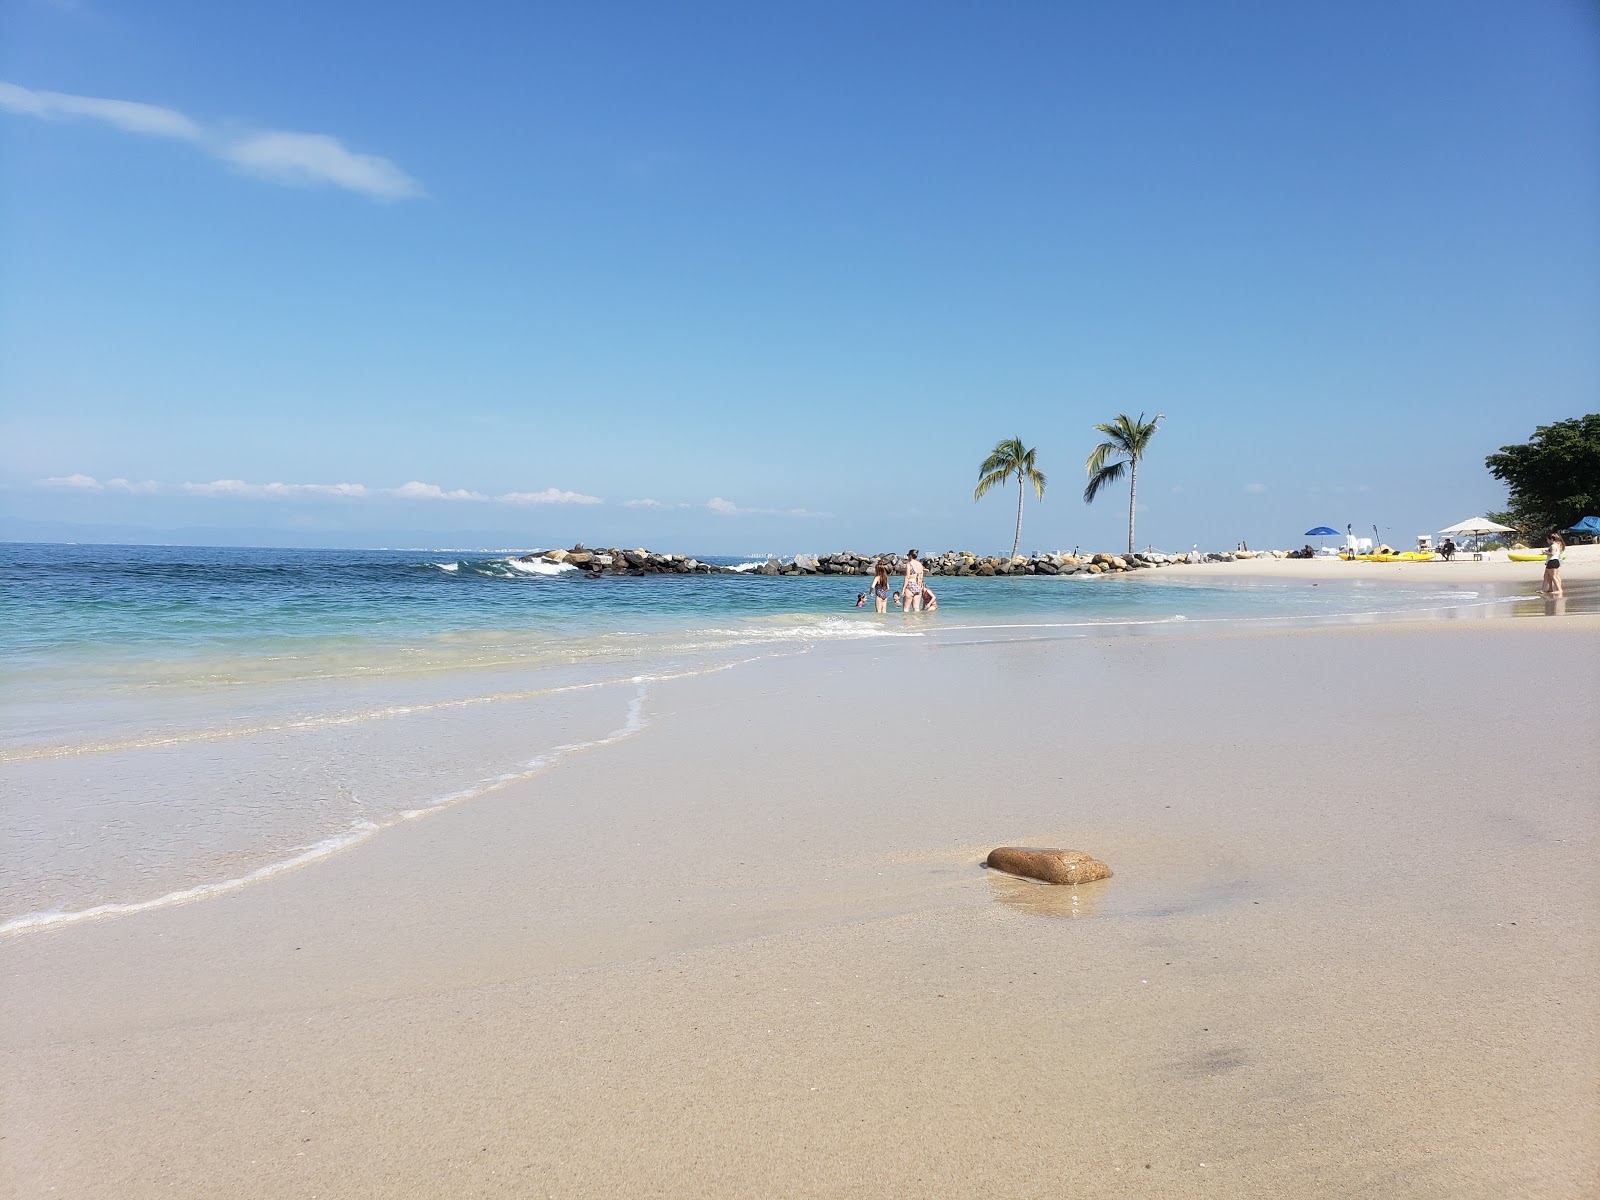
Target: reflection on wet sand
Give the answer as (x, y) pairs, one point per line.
(1048, 899)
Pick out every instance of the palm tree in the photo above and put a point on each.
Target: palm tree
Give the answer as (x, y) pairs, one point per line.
(1010, 458)
(1130, 439)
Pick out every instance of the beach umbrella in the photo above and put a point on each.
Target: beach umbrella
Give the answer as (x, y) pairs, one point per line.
(1321, 531)
(1477, 527)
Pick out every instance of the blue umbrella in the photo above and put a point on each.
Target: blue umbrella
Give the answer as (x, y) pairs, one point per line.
(1321, 531)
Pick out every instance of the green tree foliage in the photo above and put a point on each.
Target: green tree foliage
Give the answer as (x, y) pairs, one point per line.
(1009, 458)
(1554, 478)
(1126, 440)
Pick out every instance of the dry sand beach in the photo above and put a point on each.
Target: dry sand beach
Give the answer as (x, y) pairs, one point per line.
(1350, 948)
(1581, 564)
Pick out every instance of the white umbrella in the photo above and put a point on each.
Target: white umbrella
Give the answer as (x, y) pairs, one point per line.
(1477, 527)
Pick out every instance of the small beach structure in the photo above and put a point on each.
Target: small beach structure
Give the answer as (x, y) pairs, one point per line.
(1589, 525)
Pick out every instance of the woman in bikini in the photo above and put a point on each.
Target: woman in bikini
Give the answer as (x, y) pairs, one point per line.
(880, 585)
(1551, 584)
(911, 589)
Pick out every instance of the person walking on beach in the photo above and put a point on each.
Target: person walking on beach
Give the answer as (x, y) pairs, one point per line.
(880, 586)
(1551, 584)
(911, 589)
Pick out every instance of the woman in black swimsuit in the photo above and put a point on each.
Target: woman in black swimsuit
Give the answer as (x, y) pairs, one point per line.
(1551, 585)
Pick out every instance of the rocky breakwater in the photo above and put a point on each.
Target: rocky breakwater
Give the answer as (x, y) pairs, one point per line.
(625, 562)
(847, 562)
(964, 562)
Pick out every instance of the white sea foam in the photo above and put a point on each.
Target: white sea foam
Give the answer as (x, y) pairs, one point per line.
(360, 831)
(539, 567)
(750, 566)
(634, 721)
(828, 629)
(448, 566)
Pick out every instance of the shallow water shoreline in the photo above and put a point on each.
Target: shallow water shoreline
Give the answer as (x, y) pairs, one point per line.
(199, 791)
(789, 974)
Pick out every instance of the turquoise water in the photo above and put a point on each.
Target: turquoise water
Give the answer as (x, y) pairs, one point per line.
(172, 613)
(181, 721)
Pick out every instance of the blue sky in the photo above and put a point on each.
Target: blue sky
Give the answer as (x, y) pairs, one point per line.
(497, 274)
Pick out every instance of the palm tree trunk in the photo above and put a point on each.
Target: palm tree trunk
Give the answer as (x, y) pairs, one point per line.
(1017, 541)
(1133, 490)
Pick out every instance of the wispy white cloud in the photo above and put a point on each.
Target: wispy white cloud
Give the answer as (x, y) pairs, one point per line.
(311, 158)
(549, 496)
(242, 489)
(238, 487)
(130, 116)
(643, 504)
(1255, 488)
(281, 156)
(88, 483)
(728, 508)
(84, 483)
(432, 491)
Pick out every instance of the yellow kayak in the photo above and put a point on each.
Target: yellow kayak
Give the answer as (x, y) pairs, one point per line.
(1408, 556)
(1526, 555)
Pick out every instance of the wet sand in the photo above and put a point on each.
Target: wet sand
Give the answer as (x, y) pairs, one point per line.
(1351, 947)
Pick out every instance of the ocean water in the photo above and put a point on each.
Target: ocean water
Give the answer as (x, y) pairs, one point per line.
(183, 721)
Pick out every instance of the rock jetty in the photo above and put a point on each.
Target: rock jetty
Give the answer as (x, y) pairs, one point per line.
(626, 562)
(964, 562)
(846, 562)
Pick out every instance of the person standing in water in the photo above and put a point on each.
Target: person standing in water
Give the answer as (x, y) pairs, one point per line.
(880, 586)
(1551, 584)
(911, 589)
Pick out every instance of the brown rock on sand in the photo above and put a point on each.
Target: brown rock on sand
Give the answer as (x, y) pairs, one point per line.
(1052, 866)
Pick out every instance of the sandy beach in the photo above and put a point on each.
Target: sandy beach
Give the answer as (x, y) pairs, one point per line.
(1350, 948)
(1580, 564)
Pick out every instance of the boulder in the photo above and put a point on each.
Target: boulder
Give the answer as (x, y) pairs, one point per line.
(1048, 865)
(555, 555)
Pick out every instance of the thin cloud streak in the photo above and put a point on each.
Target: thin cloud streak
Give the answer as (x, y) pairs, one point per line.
(241, 489)
(88, 483)
(728, 508)
(548, 496)
(414, 489)
(279, 156)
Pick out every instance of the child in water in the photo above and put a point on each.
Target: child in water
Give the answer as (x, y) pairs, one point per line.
(930, 602)
(861, 598)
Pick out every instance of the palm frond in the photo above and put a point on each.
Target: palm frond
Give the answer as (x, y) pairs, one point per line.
(1037, 479)
(990, 481)
(1008, 458)
(1101, 476)
(1098, 456)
